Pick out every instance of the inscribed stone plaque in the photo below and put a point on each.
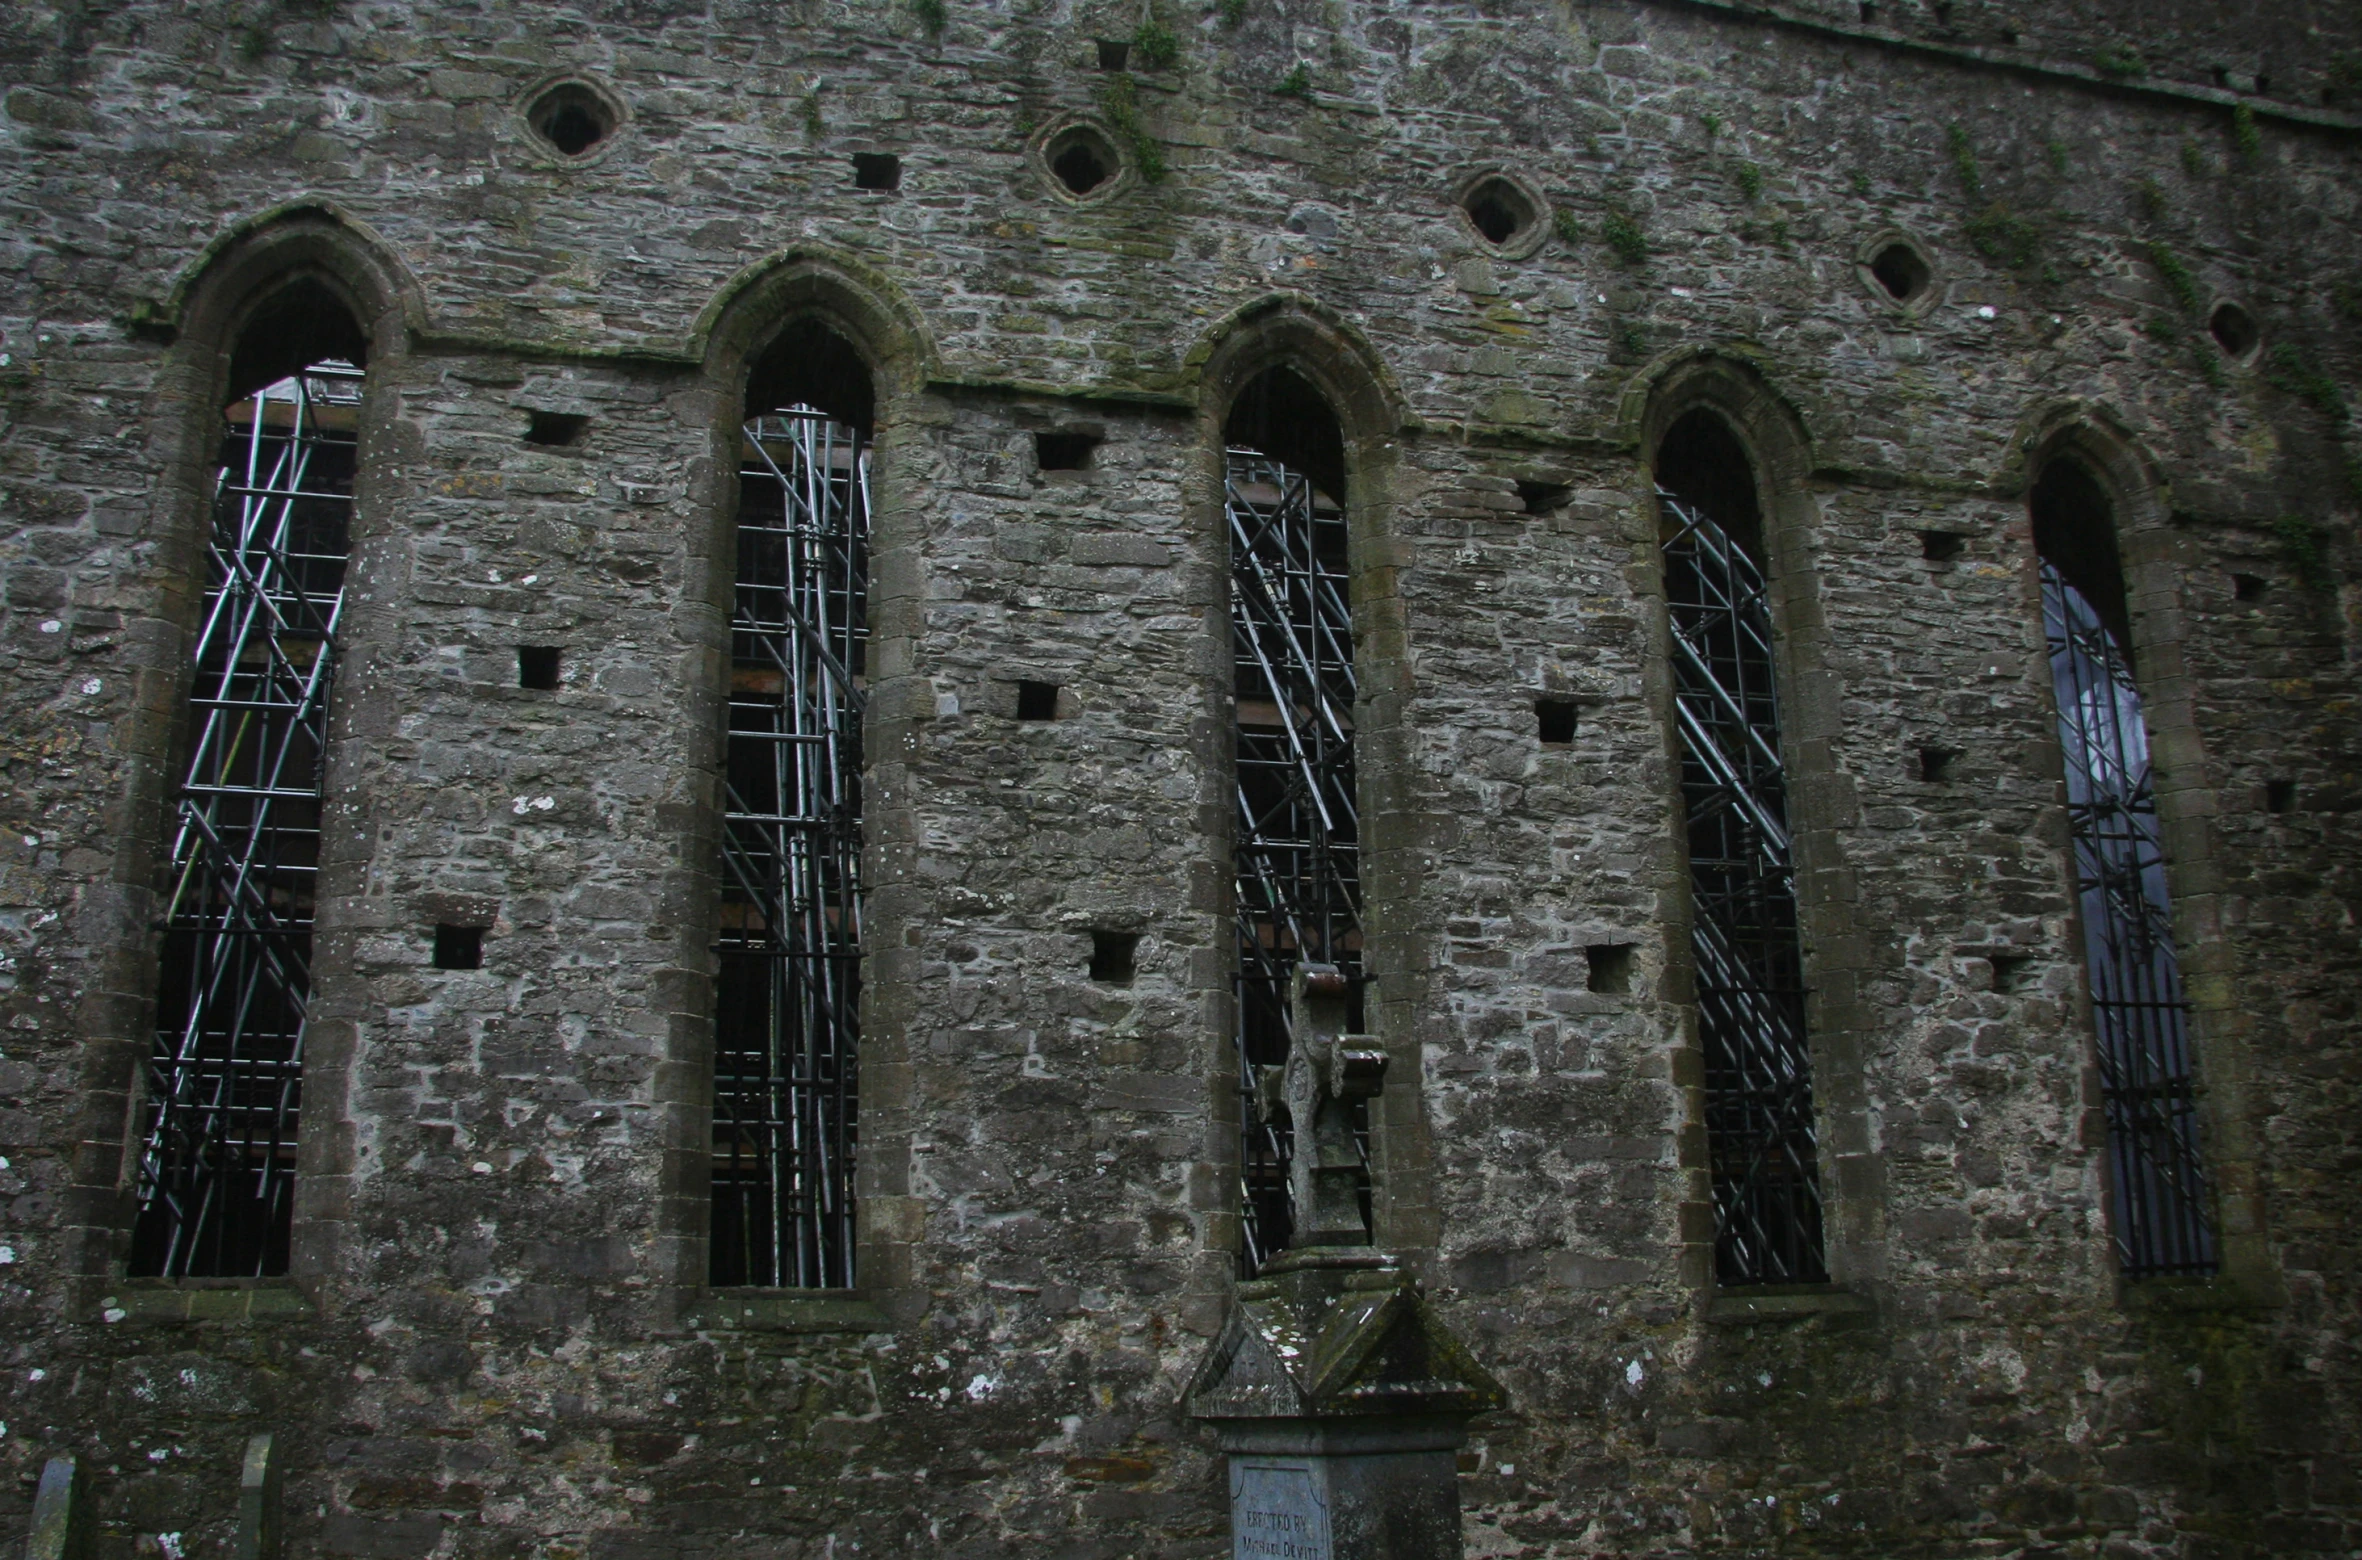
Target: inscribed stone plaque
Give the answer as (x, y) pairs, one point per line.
(1278, 1509)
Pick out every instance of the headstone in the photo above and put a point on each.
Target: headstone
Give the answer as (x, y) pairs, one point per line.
(61, 1525)
(258, 1500)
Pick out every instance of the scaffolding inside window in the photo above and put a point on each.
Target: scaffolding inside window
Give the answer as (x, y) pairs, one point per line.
(225, 1079)
(2148, 1079)
(788, 1010)
(1760, 1135)
(1297, 857)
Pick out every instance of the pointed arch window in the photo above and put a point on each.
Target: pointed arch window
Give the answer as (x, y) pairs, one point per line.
(1762, 1140)
(787, 1023)
(1296, 857)
(224, 1083)
(2140, 1011)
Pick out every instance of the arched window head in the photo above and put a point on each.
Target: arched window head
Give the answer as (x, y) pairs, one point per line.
(809, 364)
(1283, 415)
(2075, 533)
(1702, 462)
(302, 323)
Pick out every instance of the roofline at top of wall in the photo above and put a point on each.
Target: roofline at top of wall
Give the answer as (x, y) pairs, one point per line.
(2021, 65)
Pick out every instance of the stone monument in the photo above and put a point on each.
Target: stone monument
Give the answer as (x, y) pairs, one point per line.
(1341, 1399)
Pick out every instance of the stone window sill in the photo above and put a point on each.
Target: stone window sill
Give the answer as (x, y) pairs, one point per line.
(206, 1300)
(789, 1311)
(1783, 1303)
(2219, 1293)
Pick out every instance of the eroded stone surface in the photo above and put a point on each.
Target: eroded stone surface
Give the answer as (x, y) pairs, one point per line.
(504, 1353)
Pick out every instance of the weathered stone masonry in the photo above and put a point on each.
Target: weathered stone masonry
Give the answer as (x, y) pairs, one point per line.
(497, 1339)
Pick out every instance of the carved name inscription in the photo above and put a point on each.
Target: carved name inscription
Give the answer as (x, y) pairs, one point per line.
(1278, 1510)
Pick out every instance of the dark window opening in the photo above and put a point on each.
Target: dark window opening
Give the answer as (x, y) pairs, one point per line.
(571, 117)
(1283, 415)
(1935, 764)
(459, 947)
(2075, 533)
(1543, 498)
(1113, 956)
(1499, 210)
(2234, 330)
(537, 667)
(556, 429)
(785, 1142)
(1869, 10)
(2263, 84)
(1941, 546)
(299, 325)
(2248, 587)
(2280, 796)
(219, 1124)
(811, 365)
(1610, 971)
(1762, 1138)
(2009, 970)
(2222, 78)
(877, 171)
(1114, 53)
(1556, 719)
(1037, 701)
(2157, 1179)
(1902, 271)
(1296, 873)
(1064, 451)
(1082, 160)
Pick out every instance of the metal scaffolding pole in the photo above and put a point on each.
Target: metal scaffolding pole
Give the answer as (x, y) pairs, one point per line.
(788, 1010)
(225, 1080)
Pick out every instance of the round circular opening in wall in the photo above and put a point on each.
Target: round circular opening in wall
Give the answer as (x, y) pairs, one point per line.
(572, 118)
(1498, 210)
(1082, 162)
(1902, 271)
(2233, 329)
(1897, 271)
(1504, 212)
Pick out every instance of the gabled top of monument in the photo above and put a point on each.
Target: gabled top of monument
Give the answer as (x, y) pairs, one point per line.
(1322, 1341)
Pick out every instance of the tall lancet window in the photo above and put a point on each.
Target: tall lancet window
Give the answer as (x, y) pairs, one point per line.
(2148, 1085)
(1297, 854)
(1761, 1140)
(787, 1020)
(224, 1087)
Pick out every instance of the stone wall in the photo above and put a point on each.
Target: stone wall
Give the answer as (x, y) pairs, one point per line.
(497, 1340)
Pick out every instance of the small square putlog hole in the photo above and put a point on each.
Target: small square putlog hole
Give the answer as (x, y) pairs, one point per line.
(537, 666)
(1543, 498)
(555, 430)
(2248, 587)
(1554, 720)
(2280, 796)
(1611, 968)
(1941, 546)
(877, 171)
(1064, 451)
(1935, 763)
(459, 947)
(2009, 970)
(1114, 956)
(1037, 701)
(1114, 53)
